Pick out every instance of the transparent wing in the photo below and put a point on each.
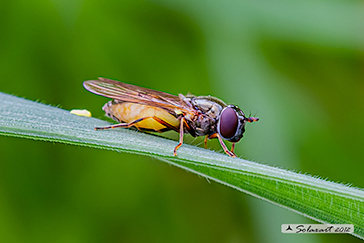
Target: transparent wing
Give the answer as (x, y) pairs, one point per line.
(131, 93)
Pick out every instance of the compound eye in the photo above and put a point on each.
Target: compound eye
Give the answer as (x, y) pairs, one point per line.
(228, 123)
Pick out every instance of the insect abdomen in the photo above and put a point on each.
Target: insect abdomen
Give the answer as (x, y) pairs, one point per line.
(129, 112)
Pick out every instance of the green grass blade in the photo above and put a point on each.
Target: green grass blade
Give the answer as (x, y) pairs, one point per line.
(315, 198)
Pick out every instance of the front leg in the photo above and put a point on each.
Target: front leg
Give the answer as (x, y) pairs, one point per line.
(226, 150)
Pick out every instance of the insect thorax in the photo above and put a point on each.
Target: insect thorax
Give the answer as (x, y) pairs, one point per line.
(210, 107)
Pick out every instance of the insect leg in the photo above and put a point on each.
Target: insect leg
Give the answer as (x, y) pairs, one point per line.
(232, 148)
(205, 141)
(211, 136)
(180, 136)
(124, 125)
(226, 150)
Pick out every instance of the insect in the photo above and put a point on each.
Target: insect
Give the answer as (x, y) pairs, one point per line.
(152, 110)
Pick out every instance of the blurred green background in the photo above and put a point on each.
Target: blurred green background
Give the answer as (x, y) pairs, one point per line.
(298, 65)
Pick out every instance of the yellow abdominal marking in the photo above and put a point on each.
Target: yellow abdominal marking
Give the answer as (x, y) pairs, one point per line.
(129, 112)
(178, 112)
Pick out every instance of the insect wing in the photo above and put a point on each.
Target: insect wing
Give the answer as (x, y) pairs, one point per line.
(135, 94)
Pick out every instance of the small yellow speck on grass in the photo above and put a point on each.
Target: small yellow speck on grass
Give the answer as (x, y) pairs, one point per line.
(81, 112)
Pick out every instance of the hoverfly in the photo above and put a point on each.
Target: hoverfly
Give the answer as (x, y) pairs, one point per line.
(151, 110)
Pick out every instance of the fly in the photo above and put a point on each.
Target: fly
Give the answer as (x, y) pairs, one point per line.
(151, 110)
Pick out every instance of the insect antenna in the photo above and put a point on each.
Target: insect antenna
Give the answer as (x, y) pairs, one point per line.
(251, 118)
